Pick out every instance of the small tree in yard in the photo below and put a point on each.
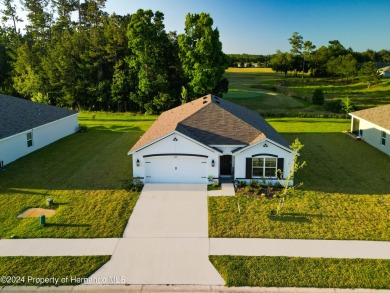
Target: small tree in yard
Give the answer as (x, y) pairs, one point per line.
(296, 146)
(347, 105)
(318, 97)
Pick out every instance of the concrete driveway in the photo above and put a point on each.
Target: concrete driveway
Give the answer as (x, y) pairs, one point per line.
(170, 210)
(166, 240)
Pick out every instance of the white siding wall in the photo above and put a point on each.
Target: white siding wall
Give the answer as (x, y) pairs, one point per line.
(183, 145)
(372, 135)
(15, 147)
(240, 159)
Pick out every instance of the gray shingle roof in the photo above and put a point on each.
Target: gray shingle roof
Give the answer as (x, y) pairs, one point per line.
(18, 115)
(379, 115)
(213, 121)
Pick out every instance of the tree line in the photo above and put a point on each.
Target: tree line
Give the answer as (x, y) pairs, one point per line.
(107, 62)
(333, 60)
(247, 60)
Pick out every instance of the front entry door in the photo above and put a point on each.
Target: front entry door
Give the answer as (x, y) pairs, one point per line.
(226, 165)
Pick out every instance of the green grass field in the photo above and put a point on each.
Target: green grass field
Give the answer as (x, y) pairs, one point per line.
(29, 271)
(265, 271)
(343, 196)
(244, 89)
(84, 174)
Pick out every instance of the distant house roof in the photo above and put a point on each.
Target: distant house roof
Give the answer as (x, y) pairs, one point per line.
(384, 69)
(379, 116)
(18, 115)
(212, 121)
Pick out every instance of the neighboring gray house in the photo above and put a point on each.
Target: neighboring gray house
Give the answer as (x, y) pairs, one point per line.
(210, 137)
(373, 126)
(26, 126)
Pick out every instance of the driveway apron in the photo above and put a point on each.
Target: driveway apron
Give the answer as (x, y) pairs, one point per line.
(166, 240)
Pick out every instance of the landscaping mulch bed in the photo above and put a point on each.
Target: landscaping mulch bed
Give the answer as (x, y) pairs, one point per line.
(259, 191)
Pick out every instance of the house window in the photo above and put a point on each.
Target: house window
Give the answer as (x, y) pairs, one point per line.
(383, 138)
(29, 139)
(264, 167)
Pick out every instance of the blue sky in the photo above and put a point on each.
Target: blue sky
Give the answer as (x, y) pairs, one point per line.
(263, 26)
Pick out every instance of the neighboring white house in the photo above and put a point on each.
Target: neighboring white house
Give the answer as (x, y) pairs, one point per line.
(373, 126)
(384, 71)
(210, 137)
(26, 126)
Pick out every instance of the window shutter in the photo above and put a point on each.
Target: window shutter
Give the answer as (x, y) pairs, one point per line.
(248, 173)
(280, 167)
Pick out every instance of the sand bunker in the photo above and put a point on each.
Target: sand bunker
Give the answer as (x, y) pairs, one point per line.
(36, 213)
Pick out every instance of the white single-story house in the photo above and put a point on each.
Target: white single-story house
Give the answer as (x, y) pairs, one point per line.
(373, 126)
(384, 71)
(210, 137)
(26, 126)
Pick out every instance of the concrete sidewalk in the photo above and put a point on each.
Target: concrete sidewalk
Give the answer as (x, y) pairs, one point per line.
(216, 246)
(57, 247)
(227, 190)
(300, 248)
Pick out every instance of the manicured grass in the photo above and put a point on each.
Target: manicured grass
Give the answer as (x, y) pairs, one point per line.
(306, 215)
(358, 92)
(346, 191)
(265, 271)
(84, 174)
(309, 125)
(244, 89)
(29, 271)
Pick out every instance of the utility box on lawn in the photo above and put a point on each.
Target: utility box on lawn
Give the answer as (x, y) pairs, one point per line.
(42, 220)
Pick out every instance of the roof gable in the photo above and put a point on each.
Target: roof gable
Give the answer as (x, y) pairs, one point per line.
(379, 116)
(212, 121)
(19, 115)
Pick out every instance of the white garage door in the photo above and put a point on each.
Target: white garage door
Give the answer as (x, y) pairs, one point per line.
(176, 169)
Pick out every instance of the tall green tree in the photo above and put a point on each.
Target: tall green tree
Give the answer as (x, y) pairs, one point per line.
(348, 66)
(318, 61)
(301, 50)
(27, 80)
(203, 61)
(369, 73)
(150, 60)
(38, 19)
(10, 14)
(282, 61)
(64, 10)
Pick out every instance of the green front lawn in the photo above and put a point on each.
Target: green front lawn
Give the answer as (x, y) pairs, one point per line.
(30, 271)
(84, 173)
(346, 191)
(263, 271)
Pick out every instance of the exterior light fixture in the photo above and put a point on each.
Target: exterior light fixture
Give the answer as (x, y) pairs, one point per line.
(138, 163)
(212, 163)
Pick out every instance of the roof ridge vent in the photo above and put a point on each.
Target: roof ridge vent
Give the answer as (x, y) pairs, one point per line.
(205, 97)
(204, 102)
